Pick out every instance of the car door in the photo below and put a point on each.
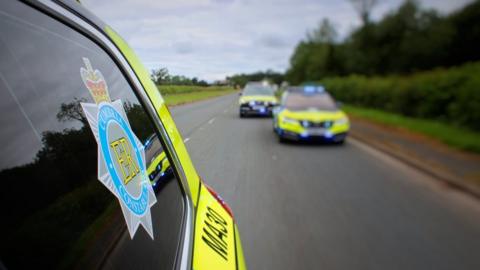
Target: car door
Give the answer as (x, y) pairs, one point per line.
(75, 178)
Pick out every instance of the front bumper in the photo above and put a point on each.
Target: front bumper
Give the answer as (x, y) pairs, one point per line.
(247, 109)
(305, 136)
(327, 131)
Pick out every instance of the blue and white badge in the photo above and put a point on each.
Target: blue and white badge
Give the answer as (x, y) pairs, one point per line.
(121, 155)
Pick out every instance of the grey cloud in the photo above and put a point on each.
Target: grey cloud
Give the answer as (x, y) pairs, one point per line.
(183, 47)
(273, 41)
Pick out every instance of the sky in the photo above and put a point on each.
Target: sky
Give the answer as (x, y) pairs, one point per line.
(211, 39)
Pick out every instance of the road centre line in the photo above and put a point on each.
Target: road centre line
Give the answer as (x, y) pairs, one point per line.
(211, 121)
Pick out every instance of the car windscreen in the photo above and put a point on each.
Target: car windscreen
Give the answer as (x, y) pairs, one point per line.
(257, 90)
(300, 101)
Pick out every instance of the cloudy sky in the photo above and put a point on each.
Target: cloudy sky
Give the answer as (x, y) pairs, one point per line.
(211, 39)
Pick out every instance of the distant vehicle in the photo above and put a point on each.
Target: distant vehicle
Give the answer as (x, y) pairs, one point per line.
(257, 99)
(309, 113)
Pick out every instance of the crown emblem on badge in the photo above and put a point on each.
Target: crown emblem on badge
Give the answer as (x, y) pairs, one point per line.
(95, 83)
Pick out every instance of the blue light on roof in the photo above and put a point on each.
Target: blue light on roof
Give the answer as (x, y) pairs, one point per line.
(309, 89)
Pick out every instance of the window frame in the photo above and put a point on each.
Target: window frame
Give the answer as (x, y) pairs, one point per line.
(69, 18)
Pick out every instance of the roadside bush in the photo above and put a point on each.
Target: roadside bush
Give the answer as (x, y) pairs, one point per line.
(448, 95)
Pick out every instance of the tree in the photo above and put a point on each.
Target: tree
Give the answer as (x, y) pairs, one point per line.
(364, 9)
(242, 79)
(325, 33)
(160, 75)
(404, 41)
(72, 111)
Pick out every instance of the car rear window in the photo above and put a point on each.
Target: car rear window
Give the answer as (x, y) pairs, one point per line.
(56, 211)
(257, 90)
(299, 101)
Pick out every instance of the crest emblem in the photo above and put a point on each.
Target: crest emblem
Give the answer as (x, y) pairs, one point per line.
(121, 155)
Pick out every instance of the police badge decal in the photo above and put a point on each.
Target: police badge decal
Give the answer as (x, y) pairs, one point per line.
(121, 155)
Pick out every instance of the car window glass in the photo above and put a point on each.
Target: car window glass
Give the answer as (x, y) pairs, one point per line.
(56, 211)
(298, 101)
(251, 90)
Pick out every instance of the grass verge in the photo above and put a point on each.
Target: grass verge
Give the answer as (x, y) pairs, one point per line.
(181, 98)
(451, 135)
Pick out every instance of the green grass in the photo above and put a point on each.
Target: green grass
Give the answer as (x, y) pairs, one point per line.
(186, 97)
(451, 135)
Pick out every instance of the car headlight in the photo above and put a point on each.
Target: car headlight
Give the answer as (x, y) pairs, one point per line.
(289, 120)
(305, 123)
(251, 103)
(341, 121)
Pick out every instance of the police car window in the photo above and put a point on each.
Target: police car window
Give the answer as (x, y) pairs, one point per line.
(258, 90)
(85, 182)
(300, 101)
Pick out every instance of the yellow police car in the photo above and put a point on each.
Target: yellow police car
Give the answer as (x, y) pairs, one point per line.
(86, 135)
(309, 113)
(158, 165)
(257, 99)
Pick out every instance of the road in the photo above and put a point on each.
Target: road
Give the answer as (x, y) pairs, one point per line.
(326, 207)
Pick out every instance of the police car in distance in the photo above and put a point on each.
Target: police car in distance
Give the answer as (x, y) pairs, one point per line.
(257, 99)
(309, 113)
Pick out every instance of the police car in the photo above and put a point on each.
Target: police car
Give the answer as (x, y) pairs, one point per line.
(257, 99)
(85, 137)
(309, 113)
(158, 165)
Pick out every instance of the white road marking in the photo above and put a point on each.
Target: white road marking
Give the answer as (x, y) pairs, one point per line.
(225, 111)
(186, 140)
(211, 121)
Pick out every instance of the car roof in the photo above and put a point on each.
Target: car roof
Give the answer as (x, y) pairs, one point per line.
(79, 10)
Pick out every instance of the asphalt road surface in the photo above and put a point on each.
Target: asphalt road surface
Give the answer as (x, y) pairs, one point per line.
(326, 207)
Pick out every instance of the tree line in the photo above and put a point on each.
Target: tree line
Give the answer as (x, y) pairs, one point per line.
(269, 75)
(161, 76)
(406, 40)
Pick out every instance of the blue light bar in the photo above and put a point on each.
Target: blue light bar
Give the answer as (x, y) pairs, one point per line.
(309, 89)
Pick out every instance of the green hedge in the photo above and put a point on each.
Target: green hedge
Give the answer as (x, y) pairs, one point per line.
(448, 95)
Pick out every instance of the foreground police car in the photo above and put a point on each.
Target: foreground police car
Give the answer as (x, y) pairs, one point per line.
(309, 113)
(257, 99)
(84, 132)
